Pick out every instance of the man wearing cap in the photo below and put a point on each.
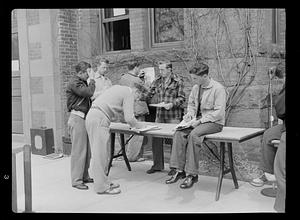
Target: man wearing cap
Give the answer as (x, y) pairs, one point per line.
(78, 94)
(168, 87)
(206, 107)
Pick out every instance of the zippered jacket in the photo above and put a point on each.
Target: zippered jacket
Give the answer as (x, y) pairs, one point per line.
(79, 93)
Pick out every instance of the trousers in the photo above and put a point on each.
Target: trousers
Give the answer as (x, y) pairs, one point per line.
(97, 125)
(134, 147)
(280, 174)
(268, 150)
(185, 154)
(157, 146)
(80, 153)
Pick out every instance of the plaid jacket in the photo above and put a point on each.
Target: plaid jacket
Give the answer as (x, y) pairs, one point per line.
(172, 92)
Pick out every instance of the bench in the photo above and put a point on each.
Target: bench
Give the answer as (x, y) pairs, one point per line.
(227, 137)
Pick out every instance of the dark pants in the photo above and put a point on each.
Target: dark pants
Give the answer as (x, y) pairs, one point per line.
(187, 145)
(157, 146)
(279, 171)
(268, 150)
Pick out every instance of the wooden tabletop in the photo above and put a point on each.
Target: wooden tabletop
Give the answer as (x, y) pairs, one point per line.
(228, 134)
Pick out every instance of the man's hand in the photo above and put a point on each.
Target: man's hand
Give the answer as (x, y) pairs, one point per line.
(187, 117)
(196, 123)
(168, 106)
(91, 73)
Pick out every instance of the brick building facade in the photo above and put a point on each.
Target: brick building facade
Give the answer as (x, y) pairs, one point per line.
(52, 41)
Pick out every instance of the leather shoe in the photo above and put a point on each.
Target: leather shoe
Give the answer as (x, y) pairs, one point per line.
(189, 181)
(81, 186)
(89, 180)
(176, 177)
(172, 172)
(152, 171)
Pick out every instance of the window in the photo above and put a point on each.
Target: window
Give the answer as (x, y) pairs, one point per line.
(116, 32)
(274, 26)
(15, 51)
(167, 25)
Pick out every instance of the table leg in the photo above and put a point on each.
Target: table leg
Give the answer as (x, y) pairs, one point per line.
(27, 178)
(112, 151)
(221, 173)
(124, 151)
(236, 185)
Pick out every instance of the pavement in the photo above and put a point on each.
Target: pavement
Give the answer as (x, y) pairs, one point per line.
(140, 192)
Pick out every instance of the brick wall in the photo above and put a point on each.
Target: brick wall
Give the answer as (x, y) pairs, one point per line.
(68, 53)
(249, 112)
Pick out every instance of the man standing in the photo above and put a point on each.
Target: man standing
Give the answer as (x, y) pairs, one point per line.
(131, 79)
(101, 81)
(168, 87)
(78, 103)
(115, 102)
(206, 106)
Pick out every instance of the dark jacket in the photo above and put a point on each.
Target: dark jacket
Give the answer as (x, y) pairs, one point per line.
(78, 94)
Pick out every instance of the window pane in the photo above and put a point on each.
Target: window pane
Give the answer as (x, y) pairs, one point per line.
(113, 12)
(168, 25)
(117, 35)
(14, 46)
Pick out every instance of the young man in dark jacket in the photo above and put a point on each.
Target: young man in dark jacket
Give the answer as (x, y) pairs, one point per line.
(78, 103)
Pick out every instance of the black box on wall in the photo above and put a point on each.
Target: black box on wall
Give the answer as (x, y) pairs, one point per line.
(42, 140)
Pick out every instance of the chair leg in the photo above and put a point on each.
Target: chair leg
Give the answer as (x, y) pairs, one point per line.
(236, 185)
(221, 173)
(112, 151)
(124, 151)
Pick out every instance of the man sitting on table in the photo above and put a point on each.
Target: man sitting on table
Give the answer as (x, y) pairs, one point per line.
(116, 102)
(206, 106)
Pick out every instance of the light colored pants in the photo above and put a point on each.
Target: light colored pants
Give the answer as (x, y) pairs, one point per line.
(268, 149)
(280, 174)
(97, 125)
(80, 153)
(135, 144)
(186, 146)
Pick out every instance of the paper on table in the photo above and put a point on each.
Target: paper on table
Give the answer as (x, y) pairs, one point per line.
(147, 128)
(159, 105)
(183, 124)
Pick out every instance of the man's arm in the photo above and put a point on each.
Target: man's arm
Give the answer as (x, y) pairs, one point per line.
(82, 90)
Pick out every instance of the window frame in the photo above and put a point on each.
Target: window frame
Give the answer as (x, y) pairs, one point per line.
(275, 26)
(152, 43)
(102, 31)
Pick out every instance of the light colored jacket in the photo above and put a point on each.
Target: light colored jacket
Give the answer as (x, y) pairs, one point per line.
(213, 103)
(117, 102)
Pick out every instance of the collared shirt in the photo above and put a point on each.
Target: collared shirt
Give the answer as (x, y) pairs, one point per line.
(213, 102)
(169, 92)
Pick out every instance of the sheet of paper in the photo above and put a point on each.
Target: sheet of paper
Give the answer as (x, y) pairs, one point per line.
(147, 128)
(183, 124)
(159, 105)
